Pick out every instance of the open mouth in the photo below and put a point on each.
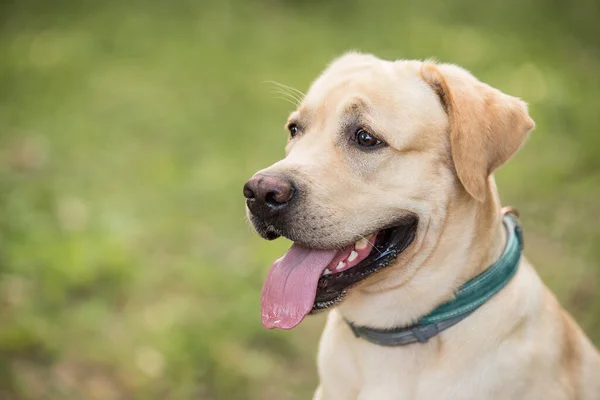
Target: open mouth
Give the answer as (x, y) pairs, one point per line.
(306, 281)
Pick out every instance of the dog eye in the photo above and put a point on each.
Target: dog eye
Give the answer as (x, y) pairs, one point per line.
(365, 139)
(293, 128)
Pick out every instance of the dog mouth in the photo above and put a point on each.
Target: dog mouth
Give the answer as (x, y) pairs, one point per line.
(305, 280)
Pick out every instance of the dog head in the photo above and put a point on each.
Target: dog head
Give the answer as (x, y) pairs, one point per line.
(377, 151)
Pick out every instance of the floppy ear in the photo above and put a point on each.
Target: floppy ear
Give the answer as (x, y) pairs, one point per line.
(486, 126)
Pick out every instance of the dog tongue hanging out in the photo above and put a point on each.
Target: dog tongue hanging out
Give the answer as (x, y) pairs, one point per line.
(291, 286)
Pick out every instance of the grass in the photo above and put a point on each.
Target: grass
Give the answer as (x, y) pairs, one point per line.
(127, 130)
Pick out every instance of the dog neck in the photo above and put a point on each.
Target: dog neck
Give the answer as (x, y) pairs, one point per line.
(470, 239)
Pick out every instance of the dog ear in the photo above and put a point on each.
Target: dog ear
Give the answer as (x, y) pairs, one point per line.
(486, 126)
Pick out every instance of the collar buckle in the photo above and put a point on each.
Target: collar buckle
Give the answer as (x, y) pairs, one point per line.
(424, 332)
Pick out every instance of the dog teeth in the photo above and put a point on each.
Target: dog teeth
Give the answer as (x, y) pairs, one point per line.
(360, 245)
(352, 256)
(363, 243)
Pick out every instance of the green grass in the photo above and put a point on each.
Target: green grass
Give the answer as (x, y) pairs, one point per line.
(127, 269)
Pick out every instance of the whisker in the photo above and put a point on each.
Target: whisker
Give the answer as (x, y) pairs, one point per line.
(281, 85)
(290, 95)
(287, 92)
(286, 99)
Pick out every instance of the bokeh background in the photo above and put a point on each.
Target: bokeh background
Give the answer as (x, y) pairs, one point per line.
(127, 129)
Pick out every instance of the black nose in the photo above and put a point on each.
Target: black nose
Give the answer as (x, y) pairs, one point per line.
(268, 195)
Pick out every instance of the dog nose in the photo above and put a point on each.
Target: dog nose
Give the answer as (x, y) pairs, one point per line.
(267, 195)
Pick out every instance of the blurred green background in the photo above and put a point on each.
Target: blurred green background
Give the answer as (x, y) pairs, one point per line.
(127, 129)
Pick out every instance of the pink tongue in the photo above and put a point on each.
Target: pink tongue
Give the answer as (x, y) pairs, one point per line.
(291, 285)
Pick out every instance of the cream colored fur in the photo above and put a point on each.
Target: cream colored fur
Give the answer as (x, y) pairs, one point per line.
(446, 133)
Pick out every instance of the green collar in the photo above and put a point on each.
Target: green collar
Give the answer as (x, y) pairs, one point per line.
(467, 299)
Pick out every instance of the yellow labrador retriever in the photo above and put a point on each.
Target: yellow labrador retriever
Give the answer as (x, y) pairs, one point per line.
(387, 194)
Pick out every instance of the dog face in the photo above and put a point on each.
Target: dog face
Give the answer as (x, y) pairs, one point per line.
(377, 152)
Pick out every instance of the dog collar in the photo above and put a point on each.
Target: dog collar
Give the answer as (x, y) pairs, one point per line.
(467, 299)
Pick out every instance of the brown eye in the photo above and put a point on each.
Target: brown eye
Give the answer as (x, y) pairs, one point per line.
(365, 139)
(293, 128)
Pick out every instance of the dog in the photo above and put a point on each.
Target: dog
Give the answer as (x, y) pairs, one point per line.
(387, 194)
